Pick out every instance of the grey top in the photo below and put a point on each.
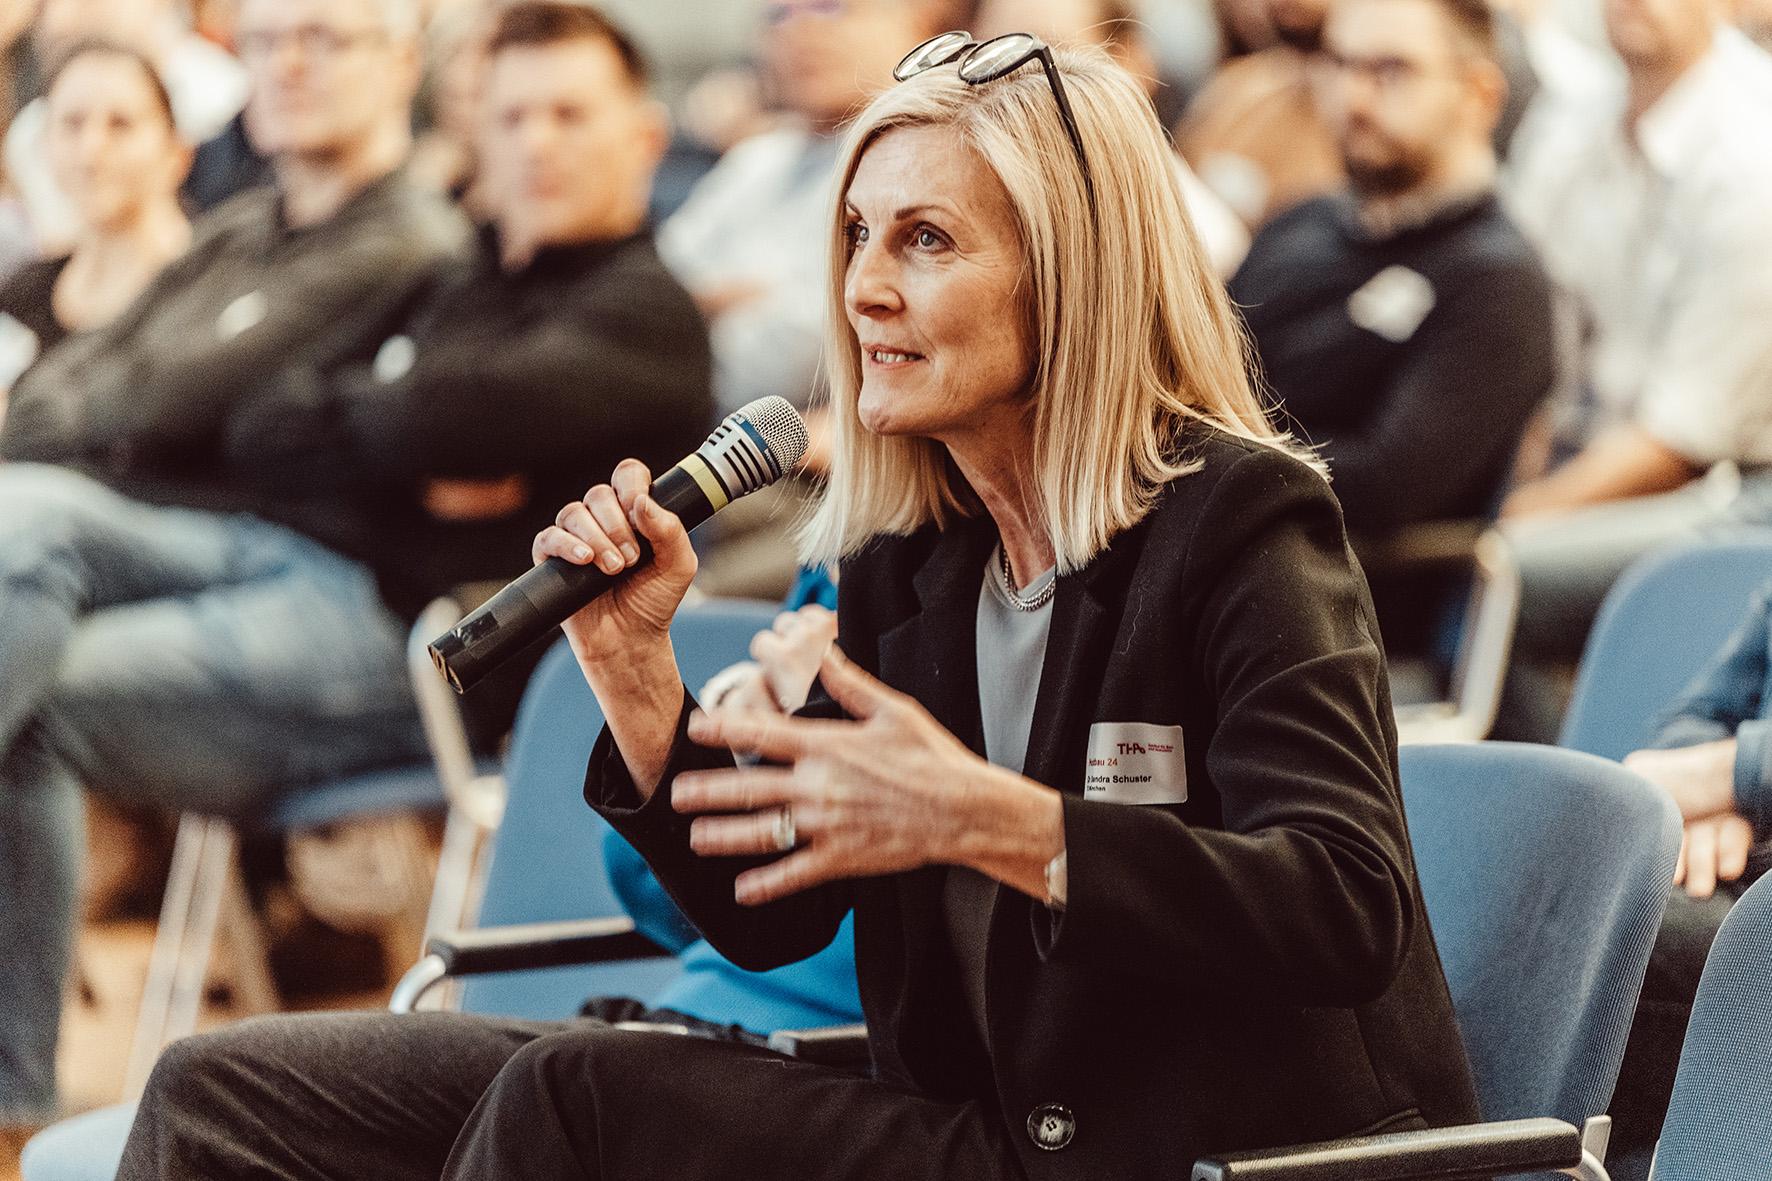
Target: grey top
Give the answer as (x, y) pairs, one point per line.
(1011, 653)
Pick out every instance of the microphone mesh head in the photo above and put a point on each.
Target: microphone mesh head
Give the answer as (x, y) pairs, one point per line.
(781, 427)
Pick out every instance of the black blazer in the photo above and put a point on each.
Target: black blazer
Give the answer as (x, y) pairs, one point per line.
(1251, 967)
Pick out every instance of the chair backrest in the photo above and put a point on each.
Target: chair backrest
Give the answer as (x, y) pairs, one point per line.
(1721, 1110)
(1546, 873)
(1664, 618)
(547, 857)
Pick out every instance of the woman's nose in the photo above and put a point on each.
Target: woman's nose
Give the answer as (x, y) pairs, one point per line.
(871, 288)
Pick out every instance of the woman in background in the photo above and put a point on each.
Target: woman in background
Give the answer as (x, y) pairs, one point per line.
(117, 155)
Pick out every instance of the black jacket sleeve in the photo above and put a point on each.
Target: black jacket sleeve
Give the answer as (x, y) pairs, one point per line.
(622, 366)
(1306, 896)
(158, 383)
(755, 938)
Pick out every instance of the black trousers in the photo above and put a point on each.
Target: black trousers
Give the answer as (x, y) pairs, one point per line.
(439, 1095)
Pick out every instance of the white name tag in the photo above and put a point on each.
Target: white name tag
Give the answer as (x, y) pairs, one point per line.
(246, 312)
(1135, 763)
(1393, 303)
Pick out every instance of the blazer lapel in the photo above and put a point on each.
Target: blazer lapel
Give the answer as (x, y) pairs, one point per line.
(936, 649)
(1076, 658)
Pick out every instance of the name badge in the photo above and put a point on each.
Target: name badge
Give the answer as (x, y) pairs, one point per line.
(1135, 763)
(1393, 303)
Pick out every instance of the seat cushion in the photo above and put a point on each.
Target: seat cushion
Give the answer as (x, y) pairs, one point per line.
(85, 1148)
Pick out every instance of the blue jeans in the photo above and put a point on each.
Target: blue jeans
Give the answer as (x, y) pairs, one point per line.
(188, 660)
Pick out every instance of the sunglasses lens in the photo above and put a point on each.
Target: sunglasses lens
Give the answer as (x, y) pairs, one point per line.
(998, 56)
(934, 52)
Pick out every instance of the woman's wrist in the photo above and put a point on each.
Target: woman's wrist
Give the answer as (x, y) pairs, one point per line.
(1011, 829)
(642, 698)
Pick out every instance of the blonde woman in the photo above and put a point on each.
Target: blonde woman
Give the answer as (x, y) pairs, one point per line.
(1105, 772)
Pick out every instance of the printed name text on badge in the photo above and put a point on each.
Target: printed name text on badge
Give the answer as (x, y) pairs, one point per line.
(1135, 763)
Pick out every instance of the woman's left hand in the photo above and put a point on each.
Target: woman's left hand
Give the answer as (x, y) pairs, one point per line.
(888, 792)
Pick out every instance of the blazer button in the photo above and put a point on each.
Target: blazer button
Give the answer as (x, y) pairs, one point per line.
(1051, 1126)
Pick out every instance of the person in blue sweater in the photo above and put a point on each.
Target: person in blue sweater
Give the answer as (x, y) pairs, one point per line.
(814, 992)
(1713, 754)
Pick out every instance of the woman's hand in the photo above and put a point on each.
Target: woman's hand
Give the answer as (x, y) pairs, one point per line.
(622, 638)
(889, 792)
(604, 530)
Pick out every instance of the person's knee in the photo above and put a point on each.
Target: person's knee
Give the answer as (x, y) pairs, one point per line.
(592, 1058)
(205, 1066)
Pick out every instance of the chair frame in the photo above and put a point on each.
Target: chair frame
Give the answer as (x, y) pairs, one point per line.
(207, 902)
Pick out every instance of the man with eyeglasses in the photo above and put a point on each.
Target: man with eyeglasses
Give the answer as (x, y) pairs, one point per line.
(160, 636)
(1404, 322)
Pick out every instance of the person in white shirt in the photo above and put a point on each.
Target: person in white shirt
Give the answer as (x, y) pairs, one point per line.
(1650, 211)
(207, 85)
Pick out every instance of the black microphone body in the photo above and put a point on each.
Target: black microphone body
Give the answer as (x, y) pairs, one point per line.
(737, 459)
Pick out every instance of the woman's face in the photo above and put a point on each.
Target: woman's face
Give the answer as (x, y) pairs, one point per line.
(934, 289)
(111, 146)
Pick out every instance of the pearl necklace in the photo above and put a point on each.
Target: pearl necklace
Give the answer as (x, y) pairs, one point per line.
(1032, 602)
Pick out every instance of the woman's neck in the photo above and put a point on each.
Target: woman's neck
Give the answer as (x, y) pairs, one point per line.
(161, 231)
(110, 266)
(999, 466)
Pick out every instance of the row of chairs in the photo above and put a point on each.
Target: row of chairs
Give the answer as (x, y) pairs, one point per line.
(1471, 809)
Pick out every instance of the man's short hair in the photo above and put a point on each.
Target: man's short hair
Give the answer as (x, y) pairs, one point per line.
(402, 18)
(1473, 27)
(550, 22)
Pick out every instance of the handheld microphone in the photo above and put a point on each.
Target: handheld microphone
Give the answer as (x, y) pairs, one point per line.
(752, 448)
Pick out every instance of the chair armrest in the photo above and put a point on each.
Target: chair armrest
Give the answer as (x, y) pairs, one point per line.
(832, 1045)
(1474, 1152)
(541, 945)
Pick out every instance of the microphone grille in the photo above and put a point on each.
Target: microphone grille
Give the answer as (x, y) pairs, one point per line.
(781, 426)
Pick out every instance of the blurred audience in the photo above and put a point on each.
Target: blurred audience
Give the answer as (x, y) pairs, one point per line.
(206, 85)
(1405, 323)
(560, 347)
(113, 149)
(1254, 133)
(1649, 210)
(741, 244)
(159, 642)
(1713, 755)
(1114, 26)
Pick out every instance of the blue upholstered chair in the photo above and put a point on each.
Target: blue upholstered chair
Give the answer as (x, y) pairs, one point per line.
(1719, 1122)
(1660, 623)
(1545, 873)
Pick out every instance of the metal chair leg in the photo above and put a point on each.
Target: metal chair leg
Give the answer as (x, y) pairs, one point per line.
(244, 934)
(210, 888)
(169, 936)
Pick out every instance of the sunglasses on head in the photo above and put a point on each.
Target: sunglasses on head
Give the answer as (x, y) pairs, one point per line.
(986, 61)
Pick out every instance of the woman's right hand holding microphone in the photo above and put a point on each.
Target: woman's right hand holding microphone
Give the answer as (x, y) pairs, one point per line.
(622, 638)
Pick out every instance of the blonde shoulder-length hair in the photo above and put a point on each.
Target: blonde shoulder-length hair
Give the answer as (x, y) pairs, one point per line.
(1134, 334)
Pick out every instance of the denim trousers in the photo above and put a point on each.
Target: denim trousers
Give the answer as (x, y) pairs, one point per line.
(180, 659)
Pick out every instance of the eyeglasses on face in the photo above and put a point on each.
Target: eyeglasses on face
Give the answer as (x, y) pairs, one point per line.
(986, 61)
(317, 42)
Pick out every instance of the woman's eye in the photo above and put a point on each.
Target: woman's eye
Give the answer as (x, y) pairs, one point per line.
(857, 232)
(927, 239)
